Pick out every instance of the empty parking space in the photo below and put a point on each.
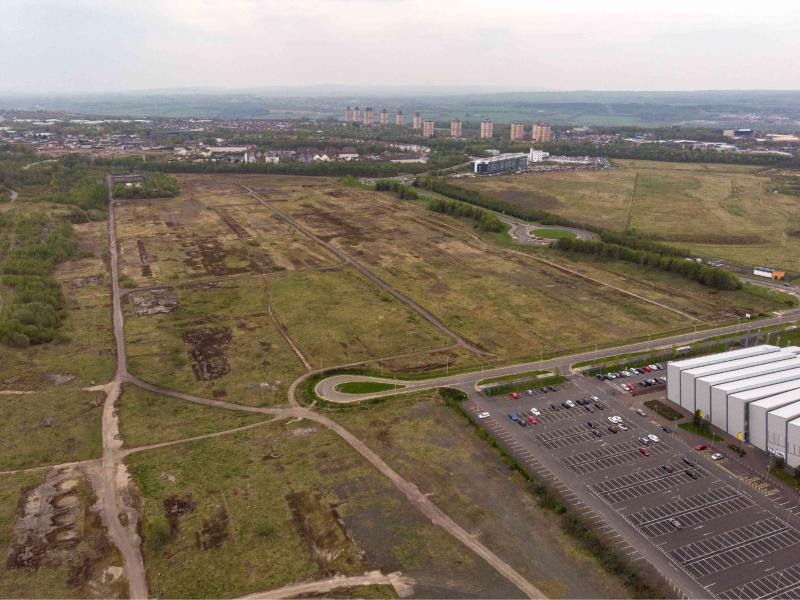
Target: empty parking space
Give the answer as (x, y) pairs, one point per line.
(643, 483)
(610, 456)
(781, 584)
(689, 511)
(735, 547)
(569, 436)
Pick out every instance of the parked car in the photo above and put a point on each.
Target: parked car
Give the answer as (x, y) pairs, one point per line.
(622, 427)
(596, 433)
(555, 407)
(717, 456)
(640, 412)
(594, 398)
(529, 392)
(512, 416)
(653, 438)
(565, 404)
(666, 429)
(644, 451)
(644, 440)
(647, 369)
(514, 396)
(690, 462)
(692, 474)
(536, 411)
(700, 447)
(613, 428)
(591, 424)
(484, 415)
(589, 407)
(675, 523)
(522, 422)
(668, 468)
(533, 420)
(599, 405)
(615, 419)
(570, 404)
(552, 388)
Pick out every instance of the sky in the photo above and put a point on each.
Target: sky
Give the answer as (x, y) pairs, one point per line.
(79, 46)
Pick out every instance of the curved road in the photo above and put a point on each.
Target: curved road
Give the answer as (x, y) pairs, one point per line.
(326, 388)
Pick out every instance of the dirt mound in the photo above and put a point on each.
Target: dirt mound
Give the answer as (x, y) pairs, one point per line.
(154, 302)
(174, 507)
(207, 354)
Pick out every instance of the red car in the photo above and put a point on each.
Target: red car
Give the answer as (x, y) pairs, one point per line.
(647, 369)
(514, 395)
(700, 447)
(644, 451)
(533, 420)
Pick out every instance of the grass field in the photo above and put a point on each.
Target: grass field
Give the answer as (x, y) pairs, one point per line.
(283, 504)
(363, 387)
(426, 442)
(147, 418)
(721, 211)
(218, 342)
(211, 229)
(509, 304)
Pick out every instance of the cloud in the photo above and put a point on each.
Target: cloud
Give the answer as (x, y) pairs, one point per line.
(97, 45)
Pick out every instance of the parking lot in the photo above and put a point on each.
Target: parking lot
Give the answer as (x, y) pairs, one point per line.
(708, 532)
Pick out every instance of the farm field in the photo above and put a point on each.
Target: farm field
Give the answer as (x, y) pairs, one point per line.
(719, 211)
(427, 442)
(286, 503)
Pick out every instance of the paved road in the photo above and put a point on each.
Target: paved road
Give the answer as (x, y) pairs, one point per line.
(424, 313)
(521, 230)
(326, 389)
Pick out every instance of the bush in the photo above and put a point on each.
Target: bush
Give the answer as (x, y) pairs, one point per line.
(484, 220)
(157, 532)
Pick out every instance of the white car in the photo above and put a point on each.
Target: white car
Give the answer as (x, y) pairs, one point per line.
(615, 419)
(622, 427)
(653, 438)
(535, 411)
(717, 456)
(484, 415)
(594, 398)
(570, 403)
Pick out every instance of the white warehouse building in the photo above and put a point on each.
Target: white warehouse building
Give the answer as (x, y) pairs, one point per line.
(752, 392)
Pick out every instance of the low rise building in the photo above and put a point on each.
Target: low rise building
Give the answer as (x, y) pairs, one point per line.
(511, 161)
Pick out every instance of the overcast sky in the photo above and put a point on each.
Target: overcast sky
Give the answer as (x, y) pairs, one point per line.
(114, 45)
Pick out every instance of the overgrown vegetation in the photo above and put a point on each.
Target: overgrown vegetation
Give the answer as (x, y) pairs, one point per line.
(155, 185)
(36, 306)
(663, 409)
(643, 582)
(484, 220)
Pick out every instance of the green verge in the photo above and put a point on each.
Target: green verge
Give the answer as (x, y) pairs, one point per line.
(528, 374)
(553, 234)
(519, 386)
(664, 410)
(701, 431)
(363, 387)
(787, 478)
(643, 581)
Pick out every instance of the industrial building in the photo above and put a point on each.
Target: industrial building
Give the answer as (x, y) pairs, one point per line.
(427, 128)
(384, 117)
(416, 122)
(511, 161)
(517, 131)
(541, 133)
(753, 394)
(455, 128)
(487, 129)
(399, 118)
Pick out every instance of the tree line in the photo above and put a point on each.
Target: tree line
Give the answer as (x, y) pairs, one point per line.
(714, 277)
(484, 220)
(405, 192)
(155, 185)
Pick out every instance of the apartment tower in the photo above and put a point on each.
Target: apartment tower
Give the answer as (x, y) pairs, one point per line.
(348, 114)
(517, 131)
(455, 128)
(427, 128)
(541, 133)
(356, 115)
(399, 118)
(487, 129)
(369, 116)
(416, 123)
(384, 117)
